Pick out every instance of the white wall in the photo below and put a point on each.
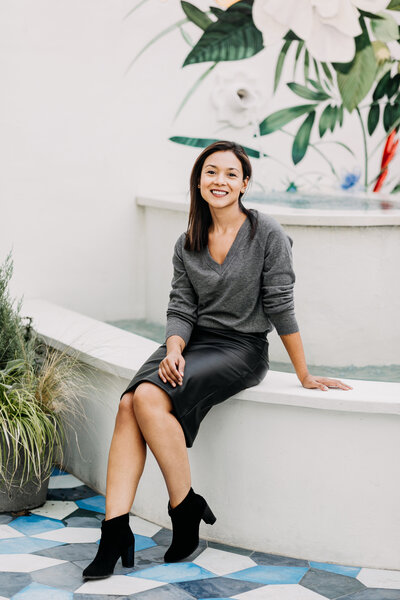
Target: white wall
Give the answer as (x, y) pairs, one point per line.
(76, 138)
(80, 137)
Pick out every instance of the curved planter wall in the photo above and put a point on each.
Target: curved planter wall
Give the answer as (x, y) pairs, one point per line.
(286, 470)
(347, 291)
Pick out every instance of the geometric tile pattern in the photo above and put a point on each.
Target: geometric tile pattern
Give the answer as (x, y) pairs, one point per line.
(43, 553)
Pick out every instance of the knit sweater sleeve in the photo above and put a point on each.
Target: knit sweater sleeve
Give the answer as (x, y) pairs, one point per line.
(183, 301)
(277, 281)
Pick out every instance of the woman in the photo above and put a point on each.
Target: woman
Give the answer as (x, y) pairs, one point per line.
(233, 282)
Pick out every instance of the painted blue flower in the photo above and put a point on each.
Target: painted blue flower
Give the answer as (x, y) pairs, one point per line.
(350, 180)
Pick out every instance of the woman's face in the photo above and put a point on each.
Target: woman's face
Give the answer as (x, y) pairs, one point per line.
(221, 179)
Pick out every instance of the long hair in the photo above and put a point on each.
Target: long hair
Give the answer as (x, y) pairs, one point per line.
(199, 214)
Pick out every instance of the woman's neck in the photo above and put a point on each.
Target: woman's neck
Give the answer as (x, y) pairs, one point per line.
(226, 220)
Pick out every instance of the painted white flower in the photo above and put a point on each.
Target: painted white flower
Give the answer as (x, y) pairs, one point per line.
(238, 98)
(328, 27)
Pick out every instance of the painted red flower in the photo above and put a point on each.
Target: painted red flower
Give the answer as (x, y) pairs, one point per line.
(388, 153)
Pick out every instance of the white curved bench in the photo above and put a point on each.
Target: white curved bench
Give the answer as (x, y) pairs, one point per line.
(286, 470)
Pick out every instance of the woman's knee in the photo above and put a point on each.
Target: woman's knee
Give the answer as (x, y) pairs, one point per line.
(125, 408)
(149, 398)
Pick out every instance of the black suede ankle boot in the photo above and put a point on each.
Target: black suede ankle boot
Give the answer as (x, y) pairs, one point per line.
(186, 519)
(117, 540)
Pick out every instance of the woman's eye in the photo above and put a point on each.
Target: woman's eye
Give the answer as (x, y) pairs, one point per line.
(233, 174)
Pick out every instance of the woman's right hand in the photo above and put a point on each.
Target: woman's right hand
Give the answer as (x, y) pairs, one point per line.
(172, 367)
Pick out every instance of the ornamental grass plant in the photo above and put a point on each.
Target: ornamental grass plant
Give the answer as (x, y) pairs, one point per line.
(41, 392)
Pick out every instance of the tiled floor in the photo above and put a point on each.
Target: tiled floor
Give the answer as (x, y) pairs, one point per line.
(43, 554)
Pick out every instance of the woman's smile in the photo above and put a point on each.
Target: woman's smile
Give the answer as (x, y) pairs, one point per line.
(219, 193)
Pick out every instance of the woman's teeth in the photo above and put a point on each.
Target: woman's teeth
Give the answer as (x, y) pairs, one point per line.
(218, 193)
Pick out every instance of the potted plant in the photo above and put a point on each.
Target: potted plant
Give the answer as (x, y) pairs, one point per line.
(40, 388)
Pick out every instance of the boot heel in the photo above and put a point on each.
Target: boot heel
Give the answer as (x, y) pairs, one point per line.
(208, 516)
(128, 556)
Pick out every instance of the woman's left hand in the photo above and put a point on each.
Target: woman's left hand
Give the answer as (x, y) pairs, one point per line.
(323, 383)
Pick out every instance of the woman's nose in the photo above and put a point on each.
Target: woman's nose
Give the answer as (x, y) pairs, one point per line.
(220, 178)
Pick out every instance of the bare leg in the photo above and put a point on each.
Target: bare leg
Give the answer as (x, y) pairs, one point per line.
(126, 460)
(164, 435)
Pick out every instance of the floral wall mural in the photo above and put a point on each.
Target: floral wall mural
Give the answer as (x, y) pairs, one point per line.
(335, 87)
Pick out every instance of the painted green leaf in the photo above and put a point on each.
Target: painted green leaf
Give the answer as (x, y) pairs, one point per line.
(370, 15)
(334, 116)
(233, 37)
(195, 15)
(341, 111)
(204, 142)
(396, 114)
(217, 12)
(385, 29)
(316, 84)
(291, 36)
(327, 71)
(306, 64)
(394, 5)
(280, 62)
(373, 117)
(356, 78)
(393, 85)
(396, 189)
(316, 69)
(324, 120)
(282, 117)
(302, 138)
(381, 88)
(304, 92)
(300, 47)
(388, 116)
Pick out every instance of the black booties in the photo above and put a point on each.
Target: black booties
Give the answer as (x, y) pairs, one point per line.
(186, 519)
(117, 540)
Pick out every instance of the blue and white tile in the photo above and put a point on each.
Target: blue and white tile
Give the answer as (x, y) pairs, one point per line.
(36, 591)
(280, 592)
(270, 574)
(7, 531)
(143, 527)
(58, 471)
(379, 578)
(216, 587)
(72, 535)
(55, 509)
(67, 576)
(119, 585)
(143, 542)
(221, 562)
(34, 524)
(332, 568)
(173, 572)
(95, 503)
(25, 545)
(64, 481)
(26, 563)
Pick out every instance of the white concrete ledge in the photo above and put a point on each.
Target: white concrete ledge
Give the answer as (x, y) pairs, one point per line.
(121, 353)
(292, 216)
(286, 470)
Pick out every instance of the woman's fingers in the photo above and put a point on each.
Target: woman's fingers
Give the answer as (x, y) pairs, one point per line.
(323, 383)
(334, 383)
(169, 372)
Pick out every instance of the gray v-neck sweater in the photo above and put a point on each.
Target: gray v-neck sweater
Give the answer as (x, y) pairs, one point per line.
(251, 291)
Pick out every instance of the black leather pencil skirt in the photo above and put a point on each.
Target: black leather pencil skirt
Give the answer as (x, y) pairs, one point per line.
(218, 364)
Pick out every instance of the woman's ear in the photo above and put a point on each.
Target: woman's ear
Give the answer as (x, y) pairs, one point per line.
(244, 186)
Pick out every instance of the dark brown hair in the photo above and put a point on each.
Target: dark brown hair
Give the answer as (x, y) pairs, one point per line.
(200, 217)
